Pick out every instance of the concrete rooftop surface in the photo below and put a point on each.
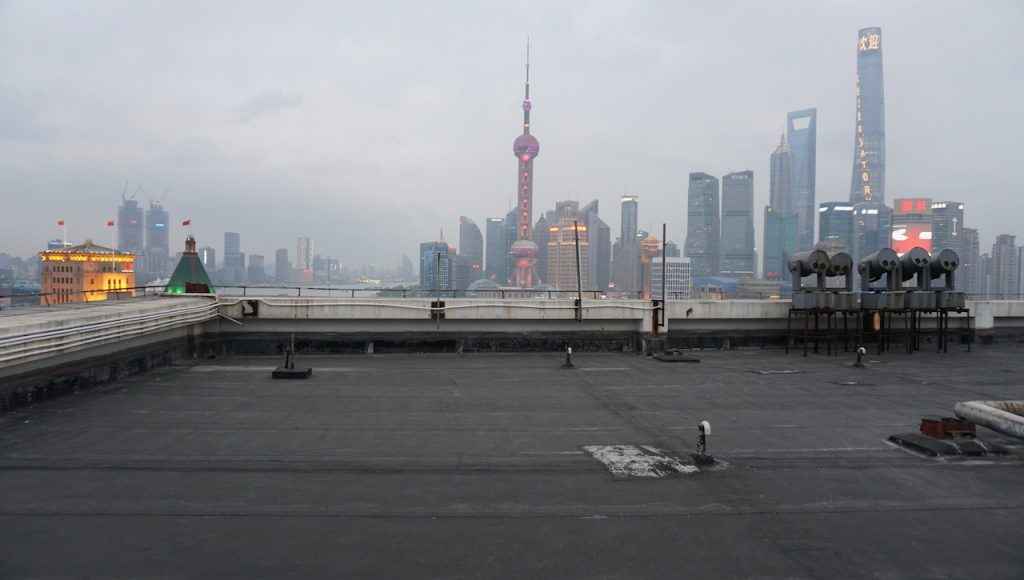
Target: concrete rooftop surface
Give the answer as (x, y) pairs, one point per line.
(473, 466)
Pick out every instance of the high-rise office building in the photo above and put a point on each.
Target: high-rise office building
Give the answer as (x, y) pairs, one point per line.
(304, 255)
(471, 247)
(630, 217)
(780, 188)
(540, 237)
(233, 270)
(911, 224)
(626, 250)
(405, 271)
(565, 254)
(738, 224)
(835, 225)
(461, 272)
(947, 226)
(780, 228)
(256, 273)
(525, 147)
(678, 278)
(703, 225)
(208, 258)
(158, 240)
(282, 267)
(435, 266)
(872, 228)
(779, 243)
(969, 275)
(802, 138)
(129, 226)
(1005, 273)
(600, 247)
(868, 179)
(511, 225)
(496, 252)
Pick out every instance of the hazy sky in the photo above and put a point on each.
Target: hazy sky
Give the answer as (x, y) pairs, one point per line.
(371, 125)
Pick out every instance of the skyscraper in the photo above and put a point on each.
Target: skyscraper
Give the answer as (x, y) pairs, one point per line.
(540, 237)
(525, 147)
(256, 272)
(703, 225)
(282, 267)
(1005, 283)
(158, 240)
(233, 271)
(563, 257)
(868, 180)
(304, 254)
(912, 224)
(872, 228)
(836, 225)
(779, 242)
(780, 188)
(435, 266)
(802, 138)
(511, 225)
(947, 226)
(630, 217)
(405, 271)
(208, 258)
(497, 253)
(626, 250)
(129, 226)
(969, 276)
(599, 248)
(738, 224)
(471, 247)
(781, 222)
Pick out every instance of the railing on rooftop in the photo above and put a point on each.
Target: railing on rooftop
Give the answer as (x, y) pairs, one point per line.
(28, 299)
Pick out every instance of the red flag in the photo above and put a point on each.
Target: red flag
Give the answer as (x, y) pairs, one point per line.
(110, 223)
(60, 222)
(187, 222)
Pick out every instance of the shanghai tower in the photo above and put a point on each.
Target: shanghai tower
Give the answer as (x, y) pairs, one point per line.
(525, 148)
(868, 183)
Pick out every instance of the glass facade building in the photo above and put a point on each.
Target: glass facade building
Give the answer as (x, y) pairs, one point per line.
(471, 247)
(836, 225)
(496, 252)
(703, 225)
(948, 226)
(868, 179)
(802, 138)
(738, 224)
(435, 266)
(779, 242)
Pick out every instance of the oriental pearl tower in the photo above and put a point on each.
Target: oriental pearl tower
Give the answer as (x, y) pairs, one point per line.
(525, 147)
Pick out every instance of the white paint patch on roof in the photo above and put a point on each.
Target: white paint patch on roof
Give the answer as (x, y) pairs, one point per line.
(633, 461)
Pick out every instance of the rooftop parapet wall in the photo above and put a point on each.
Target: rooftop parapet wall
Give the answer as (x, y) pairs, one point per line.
(41, 333)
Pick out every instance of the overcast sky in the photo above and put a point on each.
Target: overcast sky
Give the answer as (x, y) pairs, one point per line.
(371, 125)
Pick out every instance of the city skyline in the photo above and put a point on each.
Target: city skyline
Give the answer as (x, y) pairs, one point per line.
(570, 114)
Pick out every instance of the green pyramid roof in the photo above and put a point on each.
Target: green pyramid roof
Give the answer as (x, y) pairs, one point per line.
(189, 271)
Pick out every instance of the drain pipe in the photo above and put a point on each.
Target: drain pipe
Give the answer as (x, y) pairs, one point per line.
(1006, 417)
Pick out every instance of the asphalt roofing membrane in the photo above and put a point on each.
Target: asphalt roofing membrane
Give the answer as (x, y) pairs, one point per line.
(494, 465)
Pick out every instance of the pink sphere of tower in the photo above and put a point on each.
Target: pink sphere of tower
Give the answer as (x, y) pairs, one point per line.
(526, 147)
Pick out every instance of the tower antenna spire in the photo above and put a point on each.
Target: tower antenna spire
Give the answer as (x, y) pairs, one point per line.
(527, 66)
